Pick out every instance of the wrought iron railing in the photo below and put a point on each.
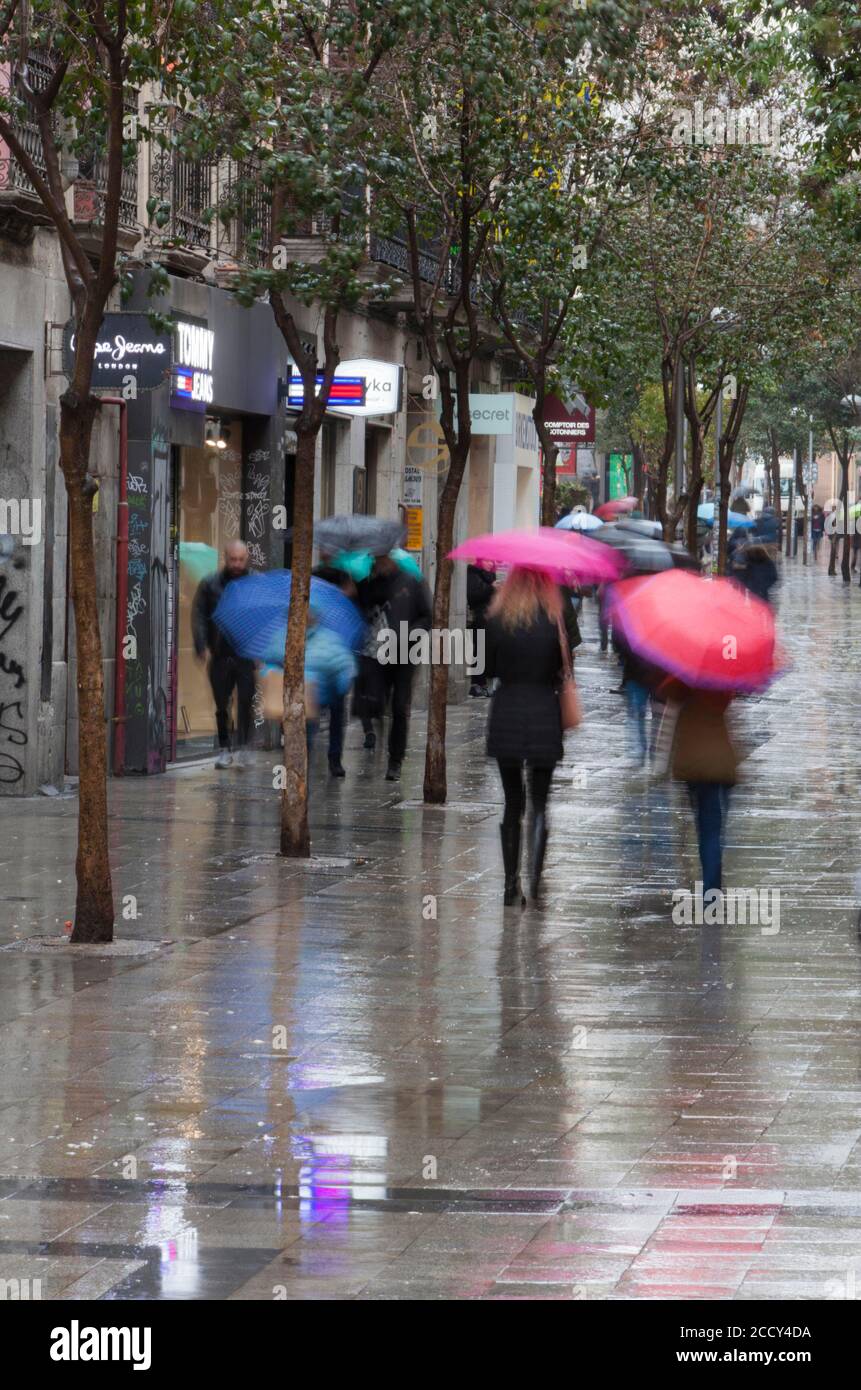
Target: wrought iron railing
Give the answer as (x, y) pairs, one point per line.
(93, 168)
(12, 176)
(246, 229)
(182, 188)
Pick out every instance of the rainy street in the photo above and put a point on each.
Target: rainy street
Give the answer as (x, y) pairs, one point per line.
(360, 1077)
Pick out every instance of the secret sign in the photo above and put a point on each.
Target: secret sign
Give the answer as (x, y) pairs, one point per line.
(127, 346)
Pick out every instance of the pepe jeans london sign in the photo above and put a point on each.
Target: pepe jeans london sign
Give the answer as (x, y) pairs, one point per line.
(192, 385)
(127, 346)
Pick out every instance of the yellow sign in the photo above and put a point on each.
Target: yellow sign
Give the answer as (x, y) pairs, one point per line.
(415, 528)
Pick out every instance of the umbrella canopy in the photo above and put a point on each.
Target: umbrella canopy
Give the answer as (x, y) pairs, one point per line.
(566, 556)
(618, 507)
(641, 527)
(744, 490)
(579, 521)
(252, 614)
(706, 513)
(642, 553)
(682, 557)
(407, 562)
(709, 633)
(359, 563)
(373, 534)
(198, 559)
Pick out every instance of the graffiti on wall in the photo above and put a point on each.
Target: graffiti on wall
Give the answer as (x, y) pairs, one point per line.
(13, 723)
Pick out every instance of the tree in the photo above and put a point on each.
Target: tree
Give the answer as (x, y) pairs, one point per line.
(100, 55)
(543, 270)
(289, 92)
(456, 109)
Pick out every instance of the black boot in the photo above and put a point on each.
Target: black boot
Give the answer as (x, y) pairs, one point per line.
(510, 837)
(537, 849)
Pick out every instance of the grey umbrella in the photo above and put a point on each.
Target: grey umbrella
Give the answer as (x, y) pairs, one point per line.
(374, 535)
(643, 554)
(641, 527)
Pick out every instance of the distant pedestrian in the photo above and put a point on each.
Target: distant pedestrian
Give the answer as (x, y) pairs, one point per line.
(817, 529)
(337, 707)
(480, 586)
(228, 672)
(754, 568)
(524, 651)
(330, 668)
(392, 600)
(704, 758)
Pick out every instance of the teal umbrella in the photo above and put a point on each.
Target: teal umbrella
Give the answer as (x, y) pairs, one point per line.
(198, 559)
(407, 562)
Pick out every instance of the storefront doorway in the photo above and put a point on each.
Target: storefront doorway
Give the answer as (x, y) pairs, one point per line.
(208, 487)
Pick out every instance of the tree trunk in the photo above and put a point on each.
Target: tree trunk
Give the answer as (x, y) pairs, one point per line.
(776, 500)
(94, 904)
(295, 837)
(435, 783)
(723, 508)
(548, 479)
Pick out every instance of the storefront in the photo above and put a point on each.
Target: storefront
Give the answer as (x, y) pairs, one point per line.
(207, 462)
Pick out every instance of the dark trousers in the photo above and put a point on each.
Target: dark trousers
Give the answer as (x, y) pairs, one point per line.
(399, 683)
(710, 802)
(336, 729)
(226, 674)
(476, 626)
(515, 792)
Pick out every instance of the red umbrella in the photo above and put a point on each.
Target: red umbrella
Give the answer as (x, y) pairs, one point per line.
(564, 555)
(709, 633)
(618, 507)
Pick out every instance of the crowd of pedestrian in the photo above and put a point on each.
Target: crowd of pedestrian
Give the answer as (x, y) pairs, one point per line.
(524, 592)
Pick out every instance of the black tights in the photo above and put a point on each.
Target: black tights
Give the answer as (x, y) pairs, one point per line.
(515, 792)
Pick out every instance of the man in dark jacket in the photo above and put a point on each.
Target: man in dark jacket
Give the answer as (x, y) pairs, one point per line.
(227, 670)
(388, 598)
(480, 586)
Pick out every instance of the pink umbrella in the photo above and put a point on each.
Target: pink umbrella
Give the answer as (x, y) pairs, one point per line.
(617, 507)
(566, 556)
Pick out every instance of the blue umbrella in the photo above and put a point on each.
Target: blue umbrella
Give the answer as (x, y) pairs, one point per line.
(252, 614)
(706, 513)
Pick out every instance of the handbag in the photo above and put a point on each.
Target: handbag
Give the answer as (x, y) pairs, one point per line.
(569, 699)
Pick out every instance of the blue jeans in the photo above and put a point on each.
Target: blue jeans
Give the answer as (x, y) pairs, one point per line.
(710, 802)
(637, 697)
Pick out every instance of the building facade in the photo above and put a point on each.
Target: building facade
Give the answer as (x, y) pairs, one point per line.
(203, 456)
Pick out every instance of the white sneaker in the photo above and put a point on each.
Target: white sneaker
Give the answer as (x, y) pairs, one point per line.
(224, 759)
(240, 758)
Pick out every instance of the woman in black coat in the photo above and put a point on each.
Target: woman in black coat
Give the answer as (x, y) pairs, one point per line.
(525, 726)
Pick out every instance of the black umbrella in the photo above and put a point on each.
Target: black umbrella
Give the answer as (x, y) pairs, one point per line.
(643, 554)
(374, 535)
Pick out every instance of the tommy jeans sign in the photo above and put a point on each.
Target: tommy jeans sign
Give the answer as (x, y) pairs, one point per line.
(128, 346)
(191, 387)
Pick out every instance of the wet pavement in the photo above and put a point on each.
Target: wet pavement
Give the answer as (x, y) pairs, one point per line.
(360, 1077)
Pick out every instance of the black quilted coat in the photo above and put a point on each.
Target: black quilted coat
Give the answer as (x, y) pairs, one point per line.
(525, 724)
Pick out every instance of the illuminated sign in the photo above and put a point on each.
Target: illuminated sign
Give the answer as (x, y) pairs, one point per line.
(192, 384)
(361, 386)
(345, 392)
(127, 346)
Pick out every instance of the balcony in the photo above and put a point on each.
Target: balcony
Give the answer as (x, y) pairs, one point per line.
(21, 209)
(393, 251)
(181, 193)
(90, 190)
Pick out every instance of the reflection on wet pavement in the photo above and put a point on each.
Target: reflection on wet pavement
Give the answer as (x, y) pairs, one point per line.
(361, 1078)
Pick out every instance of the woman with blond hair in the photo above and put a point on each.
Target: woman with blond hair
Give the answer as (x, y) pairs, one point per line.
(524, 651)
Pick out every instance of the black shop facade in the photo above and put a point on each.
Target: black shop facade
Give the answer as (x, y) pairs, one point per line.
(205, 466)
